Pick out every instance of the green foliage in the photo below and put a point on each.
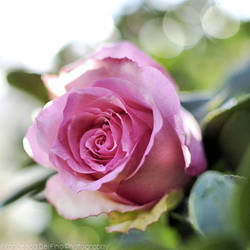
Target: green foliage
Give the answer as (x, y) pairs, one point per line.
(235, 137)
(222, 207)
(217, 133)
(210, 203)
(242, 199)
(214, 243)
(30, 83)
(31, 189)
(235, 86)
(196, 103)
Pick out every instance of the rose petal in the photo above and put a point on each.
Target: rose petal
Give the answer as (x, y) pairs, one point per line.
(86, 203)
(75, 130)
(153, 86)
(80, 102)
(147, 81)
(74, 73)
(194, 144)
(78, 182)
(161, 171)
(126, 49)
(42, 133)
(56, 84)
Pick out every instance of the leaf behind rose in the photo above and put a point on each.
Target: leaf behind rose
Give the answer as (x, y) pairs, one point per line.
(210, 203)
(242, 199)
(216, 121)
(236, 85)
(123, 222)
(216, 242)
(196, 103)
(30, 83)
(31, 189)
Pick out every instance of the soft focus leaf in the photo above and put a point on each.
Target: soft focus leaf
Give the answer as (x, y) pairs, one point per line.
(32, 189)
(71, 53)
(214, 243)
(235, 86)
(214, 122)
(123, 222)
(242, 198)
(30, 83)
(196, 103)
(210, 203)
(235, 137)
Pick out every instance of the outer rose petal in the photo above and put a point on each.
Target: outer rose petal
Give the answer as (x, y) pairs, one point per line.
(86, 203)
(194, 144)
(161, 171)
(41, 135)
(126, 49)
(56, 84)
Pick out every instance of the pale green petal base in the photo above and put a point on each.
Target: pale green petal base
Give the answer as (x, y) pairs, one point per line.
(123, 222)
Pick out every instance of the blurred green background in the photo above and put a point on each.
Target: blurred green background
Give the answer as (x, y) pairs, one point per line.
(199, 42)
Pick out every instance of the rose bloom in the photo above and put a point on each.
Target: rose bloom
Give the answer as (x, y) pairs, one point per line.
(116, 134)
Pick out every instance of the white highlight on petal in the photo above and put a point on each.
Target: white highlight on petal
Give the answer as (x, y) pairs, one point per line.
(182, 34)
(27, 147)
(187, 155)
(48, 104)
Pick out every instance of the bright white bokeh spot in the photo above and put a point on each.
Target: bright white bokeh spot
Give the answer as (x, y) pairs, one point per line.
(188, 14)
(174, 31)
(183, 35)
(32, 32)
(238, 9)
(27, 147)
(165, 4)
(155, 42)
(28, 216)
(218, 25)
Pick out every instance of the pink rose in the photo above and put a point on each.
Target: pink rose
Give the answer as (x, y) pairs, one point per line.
(115, 133)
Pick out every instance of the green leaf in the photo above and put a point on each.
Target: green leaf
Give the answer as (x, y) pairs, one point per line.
(71, 53)
(210, 203)
(232, 97)
(216, 120)
(214, 243)
(235, 137)
(242, 199)
(235, 86)
(32, 189)
(196, 103)
(123, 222)
(30, 83)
